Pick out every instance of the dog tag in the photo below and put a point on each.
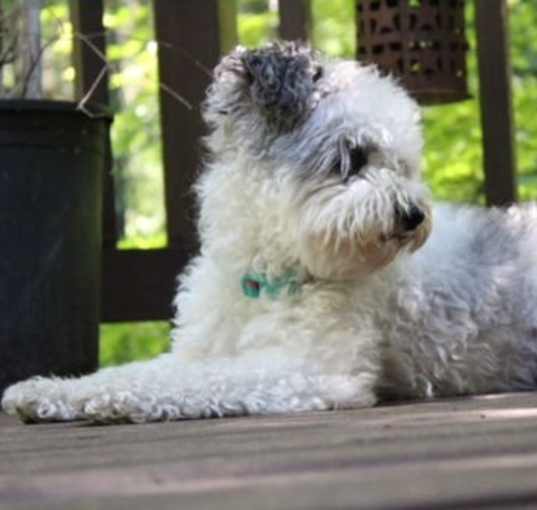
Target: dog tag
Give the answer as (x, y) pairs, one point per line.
(250, 287)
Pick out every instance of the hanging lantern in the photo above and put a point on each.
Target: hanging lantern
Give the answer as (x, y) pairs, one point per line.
(422, 42)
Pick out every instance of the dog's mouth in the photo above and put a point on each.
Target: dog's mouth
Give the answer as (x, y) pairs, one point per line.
(412, 240)
(413, 237)
(353, 258)
(344, 238)
(356, 257)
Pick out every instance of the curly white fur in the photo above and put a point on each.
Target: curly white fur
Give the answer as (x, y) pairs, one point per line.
(379, 314)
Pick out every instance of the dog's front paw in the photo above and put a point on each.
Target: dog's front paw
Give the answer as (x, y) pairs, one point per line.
(39, 400)
(128, 407)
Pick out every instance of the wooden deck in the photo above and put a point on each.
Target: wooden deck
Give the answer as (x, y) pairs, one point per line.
(456, 454)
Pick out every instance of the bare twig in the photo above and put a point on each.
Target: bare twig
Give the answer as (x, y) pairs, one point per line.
(29, 86)
(82, 103)
(175, 95)
(8, 44)
(100, 77)
(86, 39)
(187, 55)
(164, 44)
(8, 52)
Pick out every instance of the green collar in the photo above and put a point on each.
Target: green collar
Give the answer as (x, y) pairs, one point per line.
(254, 283)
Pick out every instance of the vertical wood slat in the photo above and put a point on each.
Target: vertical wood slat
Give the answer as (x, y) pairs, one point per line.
(87, 20)
(496, 101)
(295, 20)
(87, 23)
(192, 36)
(140, 284)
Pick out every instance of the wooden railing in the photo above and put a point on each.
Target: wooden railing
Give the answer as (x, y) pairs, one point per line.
(139, 284)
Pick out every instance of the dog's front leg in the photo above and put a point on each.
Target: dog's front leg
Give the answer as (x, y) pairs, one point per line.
(45, 399)
(229, 387)
(169, 389)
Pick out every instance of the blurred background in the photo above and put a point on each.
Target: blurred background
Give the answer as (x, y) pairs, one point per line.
(453, 155)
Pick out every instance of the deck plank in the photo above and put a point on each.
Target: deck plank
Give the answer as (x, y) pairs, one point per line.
(476, 452)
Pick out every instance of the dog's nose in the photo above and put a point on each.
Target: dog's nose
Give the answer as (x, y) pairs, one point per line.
(412, 219)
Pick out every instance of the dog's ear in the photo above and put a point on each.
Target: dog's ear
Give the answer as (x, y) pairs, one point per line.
(275, 83)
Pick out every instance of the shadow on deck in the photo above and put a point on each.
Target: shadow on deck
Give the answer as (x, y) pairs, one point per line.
(476, 452)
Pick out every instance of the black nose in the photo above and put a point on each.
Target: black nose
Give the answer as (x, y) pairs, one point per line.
(412, 219)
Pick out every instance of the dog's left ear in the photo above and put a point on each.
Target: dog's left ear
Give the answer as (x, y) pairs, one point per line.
(275, 83)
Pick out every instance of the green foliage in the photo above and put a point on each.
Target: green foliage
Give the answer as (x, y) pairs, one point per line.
(256, 24)
(132, 341)
(524, 59)
(456, 129)
(334, 30)
(136, 141)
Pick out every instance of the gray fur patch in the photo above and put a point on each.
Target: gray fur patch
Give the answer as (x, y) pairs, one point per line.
(263, 93)
(282, 84)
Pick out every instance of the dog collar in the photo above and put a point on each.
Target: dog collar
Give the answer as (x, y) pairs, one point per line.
(253, 284)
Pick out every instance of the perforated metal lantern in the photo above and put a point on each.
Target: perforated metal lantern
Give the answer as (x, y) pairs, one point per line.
(420, 41)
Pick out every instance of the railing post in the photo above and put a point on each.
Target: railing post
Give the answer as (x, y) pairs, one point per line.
(295, 20)
(89, 52)
(192, 36)
(496, 101)
(88, 30)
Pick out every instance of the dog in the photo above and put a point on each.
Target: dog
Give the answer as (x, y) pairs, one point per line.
(321, 283)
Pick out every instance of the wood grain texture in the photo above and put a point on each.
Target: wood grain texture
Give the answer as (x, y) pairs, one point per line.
(463, 453)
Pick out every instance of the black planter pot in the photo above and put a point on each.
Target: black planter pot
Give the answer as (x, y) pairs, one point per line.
(52, 161)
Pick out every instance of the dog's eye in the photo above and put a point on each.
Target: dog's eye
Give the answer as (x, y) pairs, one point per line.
(358, 158)
(319, 72)
(336, 168)
(355, 161)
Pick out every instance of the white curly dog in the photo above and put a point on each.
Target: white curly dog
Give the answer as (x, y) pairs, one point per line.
(315, 288)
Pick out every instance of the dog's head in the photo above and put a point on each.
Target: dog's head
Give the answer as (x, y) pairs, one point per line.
(341, 145)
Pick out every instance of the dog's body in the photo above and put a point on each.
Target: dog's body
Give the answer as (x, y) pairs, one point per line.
(314, 288)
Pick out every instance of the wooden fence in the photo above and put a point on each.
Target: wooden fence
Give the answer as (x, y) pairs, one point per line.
(139, 284)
